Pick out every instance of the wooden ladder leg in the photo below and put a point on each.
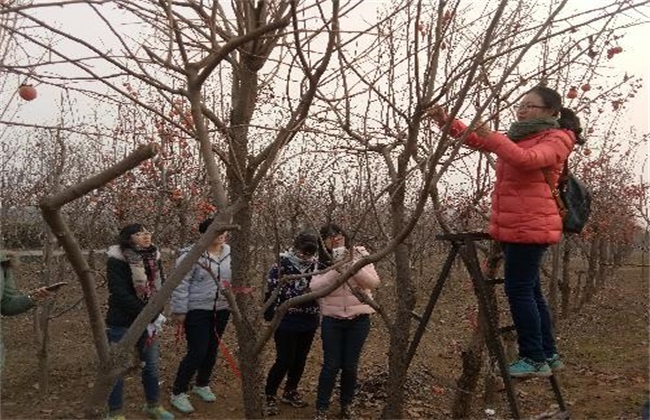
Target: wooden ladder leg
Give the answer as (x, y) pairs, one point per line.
(433, 299)
(493, 339)
(558, 394)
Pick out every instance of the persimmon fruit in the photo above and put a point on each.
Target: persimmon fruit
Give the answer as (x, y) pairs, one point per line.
(27, 92)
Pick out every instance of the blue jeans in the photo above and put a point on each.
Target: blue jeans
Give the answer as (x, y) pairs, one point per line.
(342, 343)
(203, 330)
(527, 304)
(149, 354)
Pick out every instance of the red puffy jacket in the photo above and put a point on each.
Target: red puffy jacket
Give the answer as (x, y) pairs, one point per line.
(523, 208)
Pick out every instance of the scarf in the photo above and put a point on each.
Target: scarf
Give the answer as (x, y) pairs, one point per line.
(144, 270)
(302, 265)
(520, 130)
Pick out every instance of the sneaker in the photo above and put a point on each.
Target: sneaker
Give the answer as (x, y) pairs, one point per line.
(554, 362)
(293, 398)
(158, 412)
(271, 405)
(181, 403)
(321, 415)
(115, 416)
(525, 367)
(205, 393)
(347, 412)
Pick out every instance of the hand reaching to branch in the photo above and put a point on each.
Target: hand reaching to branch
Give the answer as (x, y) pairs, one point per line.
(39, 295)
(482, 129)
(438, 114)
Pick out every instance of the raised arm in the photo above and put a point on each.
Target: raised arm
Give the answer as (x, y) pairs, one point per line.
(553, 148)
(367, 277)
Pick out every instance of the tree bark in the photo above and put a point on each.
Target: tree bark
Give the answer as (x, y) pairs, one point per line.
(553, 281)
(472, 356)
(603, 263)
(565, 283)
(399, 336)
(249, 325)
(589, 287)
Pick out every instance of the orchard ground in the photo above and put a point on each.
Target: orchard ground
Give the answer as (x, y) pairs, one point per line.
(604, 346)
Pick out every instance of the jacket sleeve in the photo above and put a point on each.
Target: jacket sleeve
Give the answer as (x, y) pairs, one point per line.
(120, 286)
(367, 277)
(457, 129)
(14, 302)
(272, 281)
(161, 270)
(181, 294)
(322, 281)
(554, 148)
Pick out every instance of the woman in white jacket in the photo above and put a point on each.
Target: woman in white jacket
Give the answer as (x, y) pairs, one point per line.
(346, 321)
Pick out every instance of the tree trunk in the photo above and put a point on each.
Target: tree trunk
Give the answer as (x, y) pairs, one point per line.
(590, 280)
(95, 402)
(122, 359)
(249, 326)
(399, 335)
(42, 317)
(553, 281)
(252, 373)
(603, 264)
(400, 330)
(565, 283)
(472, 356)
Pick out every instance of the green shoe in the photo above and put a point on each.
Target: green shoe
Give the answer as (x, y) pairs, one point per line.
(525, 367)
(158, 412)
(205, 393)
(181, 403)
(554, 362)
(116, 416)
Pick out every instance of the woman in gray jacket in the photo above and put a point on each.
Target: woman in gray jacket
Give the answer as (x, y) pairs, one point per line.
(198, 306)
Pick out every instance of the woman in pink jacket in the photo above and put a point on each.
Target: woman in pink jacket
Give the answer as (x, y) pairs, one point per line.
(525, 216)
(346, 321)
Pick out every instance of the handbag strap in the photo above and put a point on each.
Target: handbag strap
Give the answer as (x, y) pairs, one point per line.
(554, 191)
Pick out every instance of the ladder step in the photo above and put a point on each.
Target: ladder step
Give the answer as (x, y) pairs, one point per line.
(416, 316)
(473, 236)
(496, 280)
(504, 330)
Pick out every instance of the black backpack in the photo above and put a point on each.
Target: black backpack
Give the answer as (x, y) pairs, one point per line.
(573, 199)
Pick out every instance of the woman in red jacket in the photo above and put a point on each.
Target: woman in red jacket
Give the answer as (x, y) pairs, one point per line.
(525, 217)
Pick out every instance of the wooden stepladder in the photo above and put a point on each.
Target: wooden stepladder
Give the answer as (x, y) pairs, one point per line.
(464, 244)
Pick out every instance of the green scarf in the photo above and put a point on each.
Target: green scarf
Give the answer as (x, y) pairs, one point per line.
(519, 130)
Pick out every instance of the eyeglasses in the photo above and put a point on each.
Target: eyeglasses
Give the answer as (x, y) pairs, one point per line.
(526, 107)
(143, 233)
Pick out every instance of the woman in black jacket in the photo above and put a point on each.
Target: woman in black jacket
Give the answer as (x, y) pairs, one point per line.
(134, 273)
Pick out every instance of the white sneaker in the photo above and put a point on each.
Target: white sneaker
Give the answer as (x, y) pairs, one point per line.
(182, 403)
(205, 393)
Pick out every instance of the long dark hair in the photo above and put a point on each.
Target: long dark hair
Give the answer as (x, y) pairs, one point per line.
(568, 119)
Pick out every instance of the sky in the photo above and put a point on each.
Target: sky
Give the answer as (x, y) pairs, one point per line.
(635, 60)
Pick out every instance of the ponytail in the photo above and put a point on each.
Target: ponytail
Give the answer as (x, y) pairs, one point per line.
(570, 121)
